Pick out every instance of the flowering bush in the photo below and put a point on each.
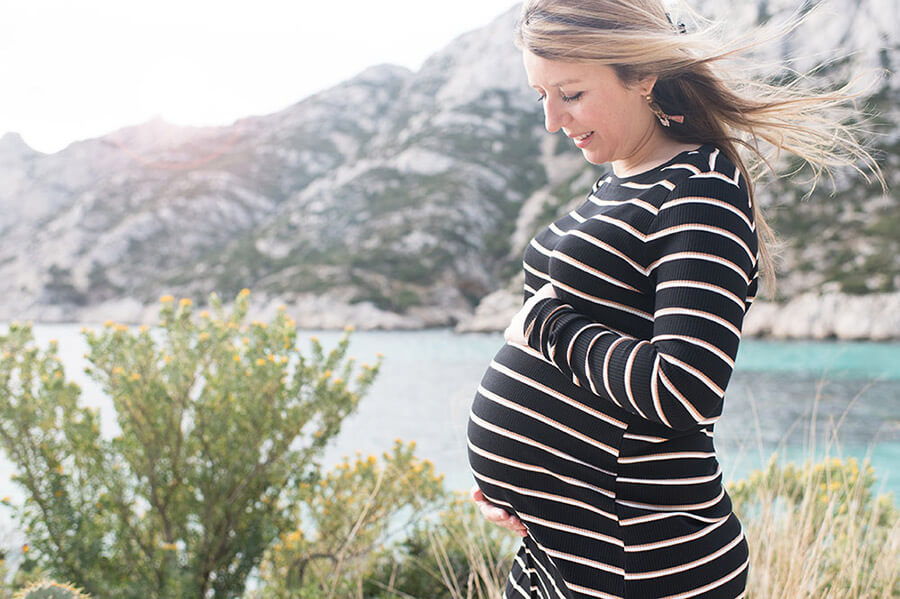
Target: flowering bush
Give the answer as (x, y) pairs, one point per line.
(221, 425)
(818, 531)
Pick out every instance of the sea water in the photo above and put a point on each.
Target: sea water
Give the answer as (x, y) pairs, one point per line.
(796, 398)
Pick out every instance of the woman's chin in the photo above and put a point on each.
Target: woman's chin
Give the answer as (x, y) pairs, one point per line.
(594, 157)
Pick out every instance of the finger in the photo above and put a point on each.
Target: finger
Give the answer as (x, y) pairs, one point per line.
(493, 513)
(476, 493)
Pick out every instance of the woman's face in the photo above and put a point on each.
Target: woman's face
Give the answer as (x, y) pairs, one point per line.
(608, 120)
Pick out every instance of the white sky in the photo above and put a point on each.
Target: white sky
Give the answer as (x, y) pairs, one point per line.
(75, 69)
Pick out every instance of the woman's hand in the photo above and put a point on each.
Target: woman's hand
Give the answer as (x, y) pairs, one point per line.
(515, 332)
(497, 515)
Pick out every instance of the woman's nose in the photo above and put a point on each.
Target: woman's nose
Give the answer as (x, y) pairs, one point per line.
(555, 115)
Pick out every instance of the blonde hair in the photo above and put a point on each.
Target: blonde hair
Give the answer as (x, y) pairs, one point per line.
(731, 110)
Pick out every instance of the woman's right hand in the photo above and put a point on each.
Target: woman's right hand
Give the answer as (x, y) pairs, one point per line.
(496, 514)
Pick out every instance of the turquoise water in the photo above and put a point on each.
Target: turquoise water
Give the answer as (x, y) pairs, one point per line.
(832, 360)
(783, 396)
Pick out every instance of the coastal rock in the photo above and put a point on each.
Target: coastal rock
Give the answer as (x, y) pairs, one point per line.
(493, 312)
(874, 317)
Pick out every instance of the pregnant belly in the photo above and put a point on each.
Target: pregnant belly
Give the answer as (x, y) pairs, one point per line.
(537, 442)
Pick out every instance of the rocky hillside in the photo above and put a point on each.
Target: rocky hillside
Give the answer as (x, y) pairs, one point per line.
(396, 199)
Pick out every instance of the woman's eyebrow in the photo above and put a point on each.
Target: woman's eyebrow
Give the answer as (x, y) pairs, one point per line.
(566, 82)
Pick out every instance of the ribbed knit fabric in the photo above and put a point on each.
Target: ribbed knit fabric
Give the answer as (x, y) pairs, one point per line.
(599, 434)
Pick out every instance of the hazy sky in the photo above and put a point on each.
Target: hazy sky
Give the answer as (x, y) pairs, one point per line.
(74, 69)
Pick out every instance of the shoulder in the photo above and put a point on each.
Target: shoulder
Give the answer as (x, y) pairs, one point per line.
(707, 180)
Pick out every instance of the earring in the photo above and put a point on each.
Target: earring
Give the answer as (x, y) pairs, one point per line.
(662, 116)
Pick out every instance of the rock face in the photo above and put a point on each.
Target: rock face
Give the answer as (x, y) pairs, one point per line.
(829, 316)
(395, 199)
(873, 317)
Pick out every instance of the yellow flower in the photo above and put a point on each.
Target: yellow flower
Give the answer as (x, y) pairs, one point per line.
(349, 328)
(338, 381)
(313, 338)
(260, 362)
(5, 499)
(185, 302)
(204, 336)
(372, 459)
(59, 469)
(244, 292)
(204, 314)
(121, 328)
(245, 340)
(25, 548)
(108, 324)
(166, 299)
(282, 308)
(135, 376)
(117, 370)
(144, 328)
(169, 547)
(327, 374)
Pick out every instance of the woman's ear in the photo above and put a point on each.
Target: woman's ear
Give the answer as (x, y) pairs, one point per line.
(645, 85)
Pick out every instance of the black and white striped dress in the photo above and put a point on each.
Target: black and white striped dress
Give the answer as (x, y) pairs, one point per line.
(599, 434)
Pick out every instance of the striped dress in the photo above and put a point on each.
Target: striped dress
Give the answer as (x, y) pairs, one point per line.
(599, 434)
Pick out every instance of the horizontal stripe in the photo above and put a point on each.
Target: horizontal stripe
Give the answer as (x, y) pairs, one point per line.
(690, 480)
(529, 441)
(539, 417)
(532, 468)
(688, 566)
(677, 540)
(526, 380)
(548, 496)
(700, 590)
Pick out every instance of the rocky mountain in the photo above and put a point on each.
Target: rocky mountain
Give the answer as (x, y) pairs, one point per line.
(395, 199)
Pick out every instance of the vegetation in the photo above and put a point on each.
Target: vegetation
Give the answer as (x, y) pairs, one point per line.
(817, 531)
(220, 427)
(212, 480)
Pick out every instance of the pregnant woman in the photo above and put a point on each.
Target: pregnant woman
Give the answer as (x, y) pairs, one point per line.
(591, 433)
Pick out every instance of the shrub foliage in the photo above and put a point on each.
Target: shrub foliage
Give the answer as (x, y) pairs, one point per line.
(220, 428)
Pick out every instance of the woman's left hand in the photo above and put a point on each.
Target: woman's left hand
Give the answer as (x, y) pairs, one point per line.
(515, 332)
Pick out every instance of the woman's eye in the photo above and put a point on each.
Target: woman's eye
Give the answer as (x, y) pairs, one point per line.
(572, 98)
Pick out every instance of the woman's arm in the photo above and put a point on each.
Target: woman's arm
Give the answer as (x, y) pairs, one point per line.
(702, 256)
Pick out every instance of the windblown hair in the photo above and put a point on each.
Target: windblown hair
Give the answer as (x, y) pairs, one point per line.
(749, 120)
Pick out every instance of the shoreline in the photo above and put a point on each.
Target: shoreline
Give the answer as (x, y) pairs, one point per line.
(809, 316)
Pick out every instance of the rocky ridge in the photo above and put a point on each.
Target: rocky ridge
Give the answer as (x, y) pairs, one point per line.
(400, 199)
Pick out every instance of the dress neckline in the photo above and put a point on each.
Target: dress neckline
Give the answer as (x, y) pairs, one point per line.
(652, 173)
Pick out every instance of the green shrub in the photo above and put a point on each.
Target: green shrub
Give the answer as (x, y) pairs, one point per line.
(220, 426)
(817, 531)
(49, 589)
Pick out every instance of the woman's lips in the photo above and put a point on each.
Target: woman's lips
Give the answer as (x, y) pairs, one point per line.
(584, 139)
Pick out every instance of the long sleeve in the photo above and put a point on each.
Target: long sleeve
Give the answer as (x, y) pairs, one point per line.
(701, 259)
